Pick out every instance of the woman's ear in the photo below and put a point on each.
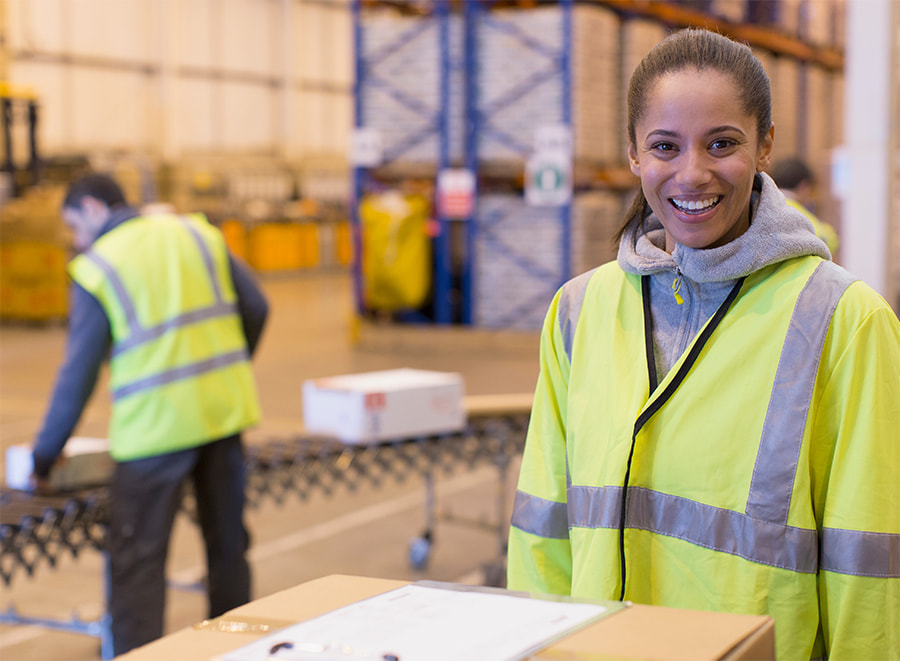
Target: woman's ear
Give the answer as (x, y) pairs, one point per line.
(765, 149)
(633, 161)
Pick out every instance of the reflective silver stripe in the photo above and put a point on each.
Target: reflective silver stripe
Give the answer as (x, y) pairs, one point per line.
(779, 449)
(594, 507)
(118, 287)
(141, 335)
(860, 553)
(178, 373)
(538, 516)
(570, 301)
(207, 257)
(711, 527)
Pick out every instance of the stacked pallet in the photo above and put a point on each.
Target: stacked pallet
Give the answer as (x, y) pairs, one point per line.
(401, 88)
(785, 106)
(638, 37)
(520, 86)
(519, 252)
(517, 263)
(596, 217)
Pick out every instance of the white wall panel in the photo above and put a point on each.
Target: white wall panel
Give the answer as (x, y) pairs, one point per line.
(248, 117)
(248, 37)
(197, 118)
(311, 44)
(112, 29)
(179, 76)
(54, 118)
(197, 19)
(35, 24)
(337, 64)
(110, 109)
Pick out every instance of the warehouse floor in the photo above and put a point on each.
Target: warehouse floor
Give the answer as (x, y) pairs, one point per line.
(312, 332)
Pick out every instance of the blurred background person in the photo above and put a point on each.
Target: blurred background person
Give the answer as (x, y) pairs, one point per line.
(179, 318)
(798, 183)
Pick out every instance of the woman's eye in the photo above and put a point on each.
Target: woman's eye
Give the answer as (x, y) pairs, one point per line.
(663, 146)
(722, 143)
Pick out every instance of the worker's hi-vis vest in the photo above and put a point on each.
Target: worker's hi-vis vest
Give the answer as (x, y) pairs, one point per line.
(179, 370)
(726, 480)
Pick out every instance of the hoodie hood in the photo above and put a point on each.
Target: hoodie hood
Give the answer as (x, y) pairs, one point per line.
(777, 233)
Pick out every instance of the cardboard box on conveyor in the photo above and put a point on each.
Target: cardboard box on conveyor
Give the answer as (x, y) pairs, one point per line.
(374, 407)
(85, 462)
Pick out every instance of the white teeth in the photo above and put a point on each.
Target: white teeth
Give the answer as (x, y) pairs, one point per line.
(692, 205)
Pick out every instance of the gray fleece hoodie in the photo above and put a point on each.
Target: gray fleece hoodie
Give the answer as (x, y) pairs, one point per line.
(777, 233)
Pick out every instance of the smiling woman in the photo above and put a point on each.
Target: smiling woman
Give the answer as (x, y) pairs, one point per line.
(752, 465)
(697, 152)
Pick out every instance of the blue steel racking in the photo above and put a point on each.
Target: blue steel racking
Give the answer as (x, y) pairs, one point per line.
(480, 20)
(433, 14)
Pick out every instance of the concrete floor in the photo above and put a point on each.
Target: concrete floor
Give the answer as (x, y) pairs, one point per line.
(312, 332)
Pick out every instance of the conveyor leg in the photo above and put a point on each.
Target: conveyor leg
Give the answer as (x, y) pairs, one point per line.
(420, 547)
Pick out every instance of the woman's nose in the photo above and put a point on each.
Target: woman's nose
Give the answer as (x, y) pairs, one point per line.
(694, 170)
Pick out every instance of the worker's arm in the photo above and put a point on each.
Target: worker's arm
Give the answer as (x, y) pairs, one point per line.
(87, 346)
(539, 555)
(252, 305)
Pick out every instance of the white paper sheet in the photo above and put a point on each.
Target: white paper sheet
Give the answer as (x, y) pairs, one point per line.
(427, 622)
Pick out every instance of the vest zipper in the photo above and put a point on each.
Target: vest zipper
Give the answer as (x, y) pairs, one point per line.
(676, 286)
(699, 342)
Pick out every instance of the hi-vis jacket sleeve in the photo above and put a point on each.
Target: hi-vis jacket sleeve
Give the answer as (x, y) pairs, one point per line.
(537, 562)
(855, 460)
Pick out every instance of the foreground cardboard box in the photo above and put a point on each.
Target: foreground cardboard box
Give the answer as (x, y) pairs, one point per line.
(637, 632)
(386, 405)
(84, 462)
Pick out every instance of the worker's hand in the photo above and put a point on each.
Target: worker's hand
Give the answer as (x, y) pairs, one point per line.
(40, 485)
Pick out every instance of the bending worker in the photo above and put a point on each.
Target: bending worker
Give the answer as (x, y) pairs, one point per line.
(179, 319)
(715, 421)
(798, 183)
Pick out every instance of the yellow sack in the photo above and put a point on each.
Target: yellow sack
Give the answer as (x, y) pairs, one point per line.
(396, 250)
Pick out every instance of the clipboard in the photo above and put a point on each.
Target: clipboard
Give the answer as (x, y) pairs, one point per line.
(431, 621)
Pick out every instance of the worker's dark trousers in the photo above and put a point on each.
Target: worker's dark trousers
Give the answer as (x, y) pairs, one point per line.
(146, 495)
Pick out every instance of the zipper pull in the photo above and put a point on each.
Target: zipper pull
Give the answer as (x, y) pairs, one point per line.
(676, 287)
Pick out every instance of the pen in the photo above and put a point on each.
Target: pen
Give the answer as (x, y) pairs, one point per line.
(288, 650)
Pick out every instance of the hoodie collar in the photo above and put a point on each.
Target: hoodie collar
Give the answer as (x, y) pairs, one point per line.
(777, 233)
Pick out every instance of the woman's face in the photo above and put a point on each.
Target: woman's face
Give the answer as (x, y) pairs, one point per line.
(696, 153)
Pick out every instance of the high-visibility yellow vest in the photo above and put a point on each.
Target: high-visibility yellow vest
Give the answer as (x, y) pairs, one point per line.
(764, 474)
(179, 371)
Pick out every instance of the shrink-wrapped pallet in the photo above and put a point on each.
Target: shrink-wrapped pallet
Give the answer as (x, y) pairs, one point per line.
(519, 253)
(785, 111)
(819, 107)
(401, 89)
(518, 262)
(596, 216)
(639, 36)
(734, 11)
(520, 85)
(820, 21)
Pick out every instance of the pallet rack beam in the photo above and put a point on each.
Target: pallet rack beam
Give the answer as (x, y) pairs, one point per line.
(755, 35)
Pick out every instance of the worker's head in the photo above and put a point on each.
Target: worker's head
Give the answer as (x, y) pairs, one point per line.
(88, 204)
(699, 126)
(794, 177)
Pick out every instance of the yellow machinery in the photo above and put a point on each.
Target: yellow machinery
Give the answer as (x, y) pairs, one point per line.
(14, 99)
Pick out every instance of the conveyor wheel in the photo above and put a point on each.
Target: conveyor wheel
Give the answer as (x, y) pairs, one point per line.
(420, 550)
